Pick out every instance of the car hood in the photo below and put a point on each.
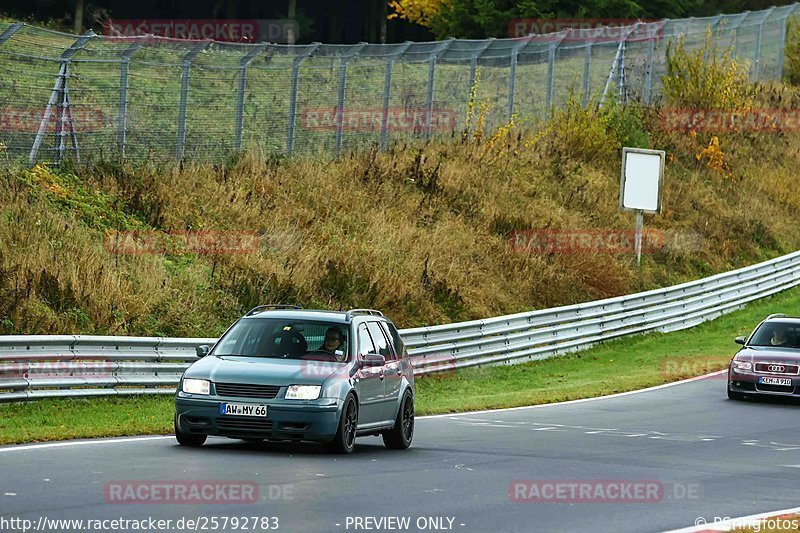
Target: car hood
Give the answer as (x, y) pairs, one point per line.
(262, 371)
(771, 354)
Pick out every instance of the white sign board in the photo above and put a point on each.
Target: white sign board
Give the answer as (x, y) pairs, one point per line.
(640, 185)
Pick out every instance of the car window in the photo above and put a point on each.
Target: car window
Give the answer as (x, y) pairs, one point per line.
(780, 334)
(395, 340)
(379, 338)
(365, 345)
(277, 338)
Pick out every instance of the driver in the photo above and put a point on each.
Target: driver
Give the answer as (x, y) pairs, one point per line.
(778, 337)
(332, 342)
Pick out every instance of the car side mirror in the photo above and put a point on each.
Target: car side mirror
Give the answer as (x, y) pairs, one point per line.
(741, 339)
(203, 350)
(373, 359)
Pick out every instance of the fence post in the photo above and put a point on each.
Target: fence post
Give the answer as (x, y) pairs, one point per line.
(757, 63)
(387, 91)
(431, 79)
(616, 66)
(243, 64)
(784, 31)
(122, 126)
(587, 61)
(648, 67)
(187, 67)
(551, 63)
(57, 99)
(290, 124)
(341, 97)
(512, 74)
(473, 61)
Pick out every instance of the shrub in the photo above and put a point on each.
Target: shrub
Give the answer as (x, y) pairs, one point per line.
(706, 78)
(791, 51)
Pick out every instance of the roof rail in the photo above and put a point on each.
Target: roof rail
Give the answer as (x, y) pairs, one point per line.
(350, 313)
(776, 315)
(271, 306)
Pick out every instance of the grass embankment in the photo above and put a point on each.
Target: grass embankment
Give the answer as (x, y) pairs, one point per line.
(422, 235)
(622, 365)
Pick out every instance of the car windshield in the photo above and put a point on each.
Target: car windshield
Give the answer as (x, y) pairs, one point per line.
(781, 334)
(282, 338)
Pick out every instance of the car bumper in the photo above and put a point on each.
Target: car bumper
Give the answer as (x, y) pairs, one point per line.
(286, 420)
(748, 383)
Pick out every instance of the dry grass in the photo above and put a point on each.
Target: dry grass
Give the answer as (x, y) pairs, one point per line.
(421, 234)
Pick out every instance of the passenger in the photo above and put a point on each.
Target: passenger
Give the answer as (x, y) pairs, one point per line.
(778, 337)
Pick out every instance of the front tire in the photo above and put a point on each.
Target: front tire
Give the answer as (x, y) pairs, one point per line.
(192, 440)
(401, 435)
(345, 439)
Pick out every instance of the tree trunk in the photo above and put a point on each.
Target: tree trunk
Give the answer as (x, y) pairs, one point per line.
(79, 4)
(292, 15)
(383, 14)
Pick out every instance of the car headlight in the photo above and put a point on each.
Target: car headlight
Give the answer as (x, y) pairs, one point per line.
(742, 365)
(196, 386)
(303, 392)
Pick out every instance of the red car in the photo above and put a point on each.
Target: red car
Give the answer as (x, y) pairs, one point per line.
(769, 361)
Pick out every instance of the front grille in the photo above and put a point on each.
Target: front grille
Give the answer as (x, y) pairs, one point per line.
(777, 368)
(243, 424)
(774, 388)
(244, 390)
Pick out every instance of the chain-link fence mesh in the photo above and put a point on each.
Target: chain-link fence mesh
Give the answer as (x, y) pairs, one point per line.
(83, 97)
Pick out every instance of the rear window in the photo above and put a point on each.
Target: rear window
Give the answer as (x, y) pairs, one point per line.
(282, 339)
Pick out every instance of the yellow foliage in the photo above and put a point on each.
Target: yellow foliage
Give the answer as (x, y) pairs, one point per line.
(715, 158)
(416, 11)
(706, 78)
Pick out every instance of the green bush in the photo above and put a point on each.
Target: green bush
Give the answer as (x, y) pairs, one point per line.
(706, 78)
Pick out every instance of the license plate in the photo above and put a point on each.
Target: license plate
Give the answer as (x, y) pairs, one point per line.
(786, 382)
(242, 409)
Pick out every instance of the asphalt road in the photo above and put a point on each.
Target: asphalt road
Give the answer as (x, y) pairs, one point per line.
(707, 456)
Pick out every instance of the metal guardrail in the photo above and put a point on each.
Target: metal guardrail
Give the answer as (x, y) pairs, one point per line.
(43, 366)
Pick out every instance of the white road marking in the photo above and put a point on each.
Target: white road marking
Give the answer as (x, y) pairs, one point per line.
(64, 444)
(24, 447)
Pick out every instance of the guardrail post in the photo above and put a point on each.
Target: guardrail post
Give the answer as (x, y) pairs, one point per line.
(243, 64)
(341, 98)
(182, 109)
(122, 126)
(290, 124)
(431, 80)
(57, 99)
(387, 91)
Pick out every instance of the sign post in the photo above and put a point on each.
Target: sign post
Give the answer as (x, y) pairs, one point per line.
(640, 187)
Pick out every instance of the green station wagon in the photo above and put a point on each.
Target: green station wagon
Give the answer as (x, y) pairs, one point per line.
(286, 373)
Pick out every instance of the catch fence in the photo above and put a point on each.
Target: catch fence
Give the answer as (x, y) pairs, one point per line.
(83, 97)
